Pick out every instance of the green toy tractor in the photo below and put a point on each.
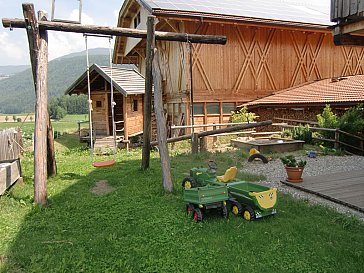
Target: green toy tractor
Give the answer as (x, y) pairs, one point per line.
(199, 200)
(252, 201)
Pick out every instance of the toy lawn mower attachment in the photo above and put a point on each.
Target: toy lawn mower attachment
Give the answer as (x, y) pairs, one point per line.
(249, 200)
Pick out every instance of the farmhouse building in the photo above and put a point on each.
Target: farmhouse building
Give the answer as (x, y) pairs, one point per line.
(272, 45)
(304, 102)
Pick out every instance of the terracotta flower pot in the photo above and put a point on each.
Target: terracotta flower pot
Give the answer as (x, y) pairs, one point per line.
(294, 174)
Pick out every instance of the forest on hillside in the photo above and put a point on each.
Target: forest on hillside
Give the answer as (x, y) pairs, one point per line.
(17, 92)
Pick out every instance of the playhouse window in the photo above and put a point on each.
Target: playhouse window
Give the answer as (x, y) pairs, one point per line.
(98, 104)
(137, 20)
(135, 105)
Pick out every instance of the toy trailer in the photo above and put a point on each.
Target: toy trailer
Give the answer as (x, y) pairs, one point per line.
(201, 199)
(256, 201)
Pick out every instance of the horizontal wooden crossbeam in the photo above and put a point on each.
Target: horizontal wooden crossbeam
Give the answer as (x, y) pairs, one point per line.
(117, 31)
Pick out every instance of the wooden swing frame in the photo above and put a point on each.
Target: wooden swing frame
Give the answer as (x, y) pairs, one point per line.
(38, 47)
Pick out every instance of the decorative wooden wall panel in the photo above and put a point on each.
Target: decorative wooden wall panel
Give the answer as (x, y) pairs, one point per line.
(257, 61)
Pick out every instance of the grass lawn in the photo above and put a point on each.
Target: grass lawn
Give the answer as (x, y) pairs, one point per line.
(139, 228)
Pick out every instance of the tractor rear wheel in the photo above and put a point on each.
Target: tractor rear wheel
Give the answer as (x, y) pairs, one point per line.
(236, 208)
(189, 209)
(248, 214)
(197, 215)
(189, 182)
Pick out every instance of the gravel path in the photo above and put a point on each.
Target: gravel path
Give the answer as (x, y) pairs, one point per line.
(275, 172)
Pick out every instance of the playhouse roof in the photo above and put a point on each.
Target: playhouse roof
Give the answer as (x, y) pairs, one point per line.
(127, 81)
(300, 11)
(337, 91)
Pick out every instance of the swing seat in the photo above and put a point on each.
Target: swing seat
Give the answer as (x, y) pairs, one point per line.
(102, 164)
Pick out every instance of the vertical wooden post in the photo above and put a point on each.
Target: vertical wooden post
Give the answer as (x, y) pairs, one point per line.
(194, 143)
(38, 47)
(337, 139)
(126, 122)
(203, 144)
(214, 138)
(51, 158)
(147, 119)
(161, 126)
(51, 154)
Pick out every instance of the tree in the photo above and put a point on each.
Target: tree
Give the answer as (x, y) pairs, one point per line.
(352, 120)
(327, 119)
(6, 118)
(14, 118)
(243, 115)
(18, 120)
(31, 118)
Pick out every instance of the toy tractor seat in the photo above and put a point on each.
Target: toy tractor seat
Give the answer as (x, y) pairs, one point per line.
(228, 176)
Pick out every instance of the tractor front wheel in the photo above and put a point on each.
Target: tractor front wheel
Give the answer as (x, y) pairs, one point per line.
(189, 182)
(248, 214)
(197, 215)
(236, 208)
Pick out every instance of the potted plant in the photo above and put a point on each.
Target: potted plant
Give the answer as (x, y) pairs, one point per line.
(294, 168)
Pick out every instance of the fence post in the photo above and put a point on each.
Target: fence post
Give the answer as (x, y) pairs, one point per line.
(337, 139)
(214, 138)
(194, 143)
(203, 144)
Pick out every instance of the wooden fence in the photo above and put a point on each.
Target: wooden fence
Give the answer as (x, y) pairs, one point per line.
(11, 144)
(336, 140)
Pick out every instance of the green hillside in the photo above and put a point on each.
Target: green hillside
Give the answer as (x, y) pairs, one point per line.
(17, 92)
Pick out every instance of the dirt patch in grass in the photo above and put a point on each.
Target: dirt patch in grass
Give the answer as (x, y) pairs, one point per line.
(102, 188)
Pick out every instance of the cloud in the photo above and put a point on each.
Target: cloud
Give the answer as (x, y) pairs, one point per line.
(61, 43)
(14, 45)
(14, 51)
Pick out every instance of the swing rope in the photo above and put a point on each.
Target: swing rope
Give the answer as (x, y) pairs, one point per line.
(107, 163)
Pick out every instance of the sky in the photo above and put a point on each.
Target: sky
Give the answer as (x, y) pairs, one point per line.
(14, 48)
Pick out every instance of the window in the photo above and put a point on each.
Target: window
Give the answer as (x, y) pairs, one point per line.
(228, 107)
(135, 105)
(170, 109)
(98, 104)
(213, 108)
(137, 20)
(198, 109)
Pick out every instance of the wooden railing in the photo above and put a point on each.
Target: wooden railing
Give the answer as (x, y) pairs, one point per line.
(336, 140)
(11, 144)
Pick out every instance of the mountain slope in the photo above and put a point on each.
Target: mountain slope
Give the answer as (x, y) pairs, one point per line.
(8, 70)
(17, 92)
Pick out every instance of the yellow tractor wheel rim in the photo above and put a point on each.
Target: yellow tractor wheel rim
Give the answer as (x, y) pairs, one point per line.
(188, 185)
(247, 215)
(235, 210)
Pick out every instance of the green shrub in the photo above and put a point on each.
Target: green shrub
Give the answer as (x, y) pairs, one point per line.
(327, 119)
(352, 120)
(243, 115)
(302, 133)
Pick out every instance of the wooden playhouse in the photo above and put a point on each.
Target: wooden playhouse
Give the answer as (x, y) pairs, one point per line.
(129, 88)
